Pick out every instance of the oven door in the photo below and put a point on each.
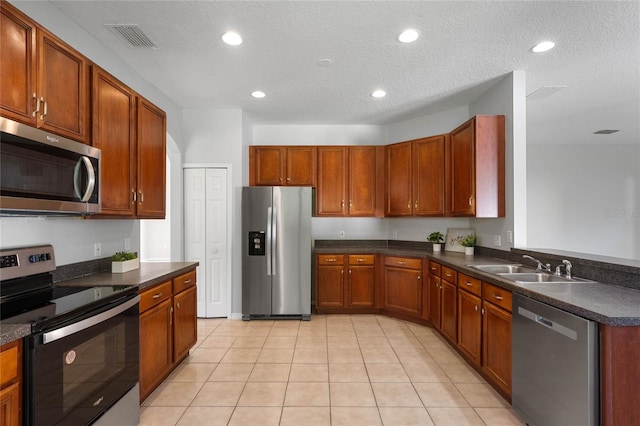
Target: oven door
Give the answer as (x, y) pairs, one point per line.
(76, 372)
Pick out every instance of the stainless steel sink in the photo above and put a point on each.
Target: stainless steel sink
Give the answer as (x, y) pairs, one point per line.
(502, 269)
(534, 277)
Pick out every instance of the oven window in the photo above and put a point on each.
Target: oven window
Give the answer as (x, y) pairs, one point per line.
(77, 377)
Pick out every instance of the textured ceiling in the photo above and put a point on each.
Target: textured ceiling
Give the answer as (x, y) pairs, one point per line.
(464, 48)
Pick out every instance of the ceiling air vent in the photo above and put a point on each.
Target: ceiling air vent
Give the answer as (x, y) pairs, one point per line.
(605, 132)
(544, 92)
(133, 35)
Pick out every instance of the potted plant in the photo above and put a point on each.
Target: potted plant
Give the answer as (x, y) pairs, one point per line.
(436, 239)
(468, 242)
(124, 261)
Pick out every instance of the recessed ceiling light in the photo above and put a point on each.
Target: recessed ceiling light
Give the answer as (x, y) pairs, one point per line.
(232, 38)
(325, 62)
(543, 47)
(379, 94)
(258, 94)
(605, 131)
(408, 36)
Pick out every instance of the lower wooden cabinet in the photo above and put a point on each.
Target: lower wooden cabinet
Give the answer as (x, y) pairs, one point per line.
(496, 336)
(168, 328)
(449, 304)
(403, 285)
(345, 282)
(11, 384)
(470, 325)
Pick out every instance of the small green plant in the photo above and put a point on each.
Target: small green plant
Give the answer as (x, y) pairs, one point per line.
(121, 256)
(468, 241)
(435, 237)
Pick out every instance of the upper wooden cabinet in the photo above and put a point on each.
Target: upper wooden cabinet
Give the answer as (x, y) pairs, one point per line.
(282, 165)
(477, 168)
(416, 177)
(33, 92)
(130, 131)
(114, 121)
(349, 181)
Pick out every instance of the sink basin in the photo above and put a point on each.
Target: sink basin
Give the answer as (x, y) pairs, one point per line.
(502, 269)
(534, 277)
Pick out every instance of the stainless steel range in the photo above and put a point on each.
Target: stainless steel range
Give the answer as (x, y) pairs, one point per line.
(81, 360)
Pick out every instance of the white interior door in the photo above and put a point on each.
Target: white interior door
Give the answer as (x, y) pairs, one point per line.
(206, 238)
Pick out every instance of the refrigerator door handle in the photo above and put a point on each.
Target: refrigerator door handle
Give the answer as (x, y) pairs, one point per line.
(274, 242)
(269, 236)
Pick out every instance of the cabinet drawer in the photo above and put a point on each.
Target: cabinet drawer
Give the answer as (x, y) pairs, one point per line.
(472, 285)
(497, 296)
(184, 281)
(403, 262)
(361, 259)
(434, 268)
(330, 259)
(155, 295)
(449, 274)
(10, 362)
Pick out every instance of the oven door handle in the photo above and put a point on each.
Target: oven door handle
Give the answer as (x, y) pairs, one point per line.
(70, 329)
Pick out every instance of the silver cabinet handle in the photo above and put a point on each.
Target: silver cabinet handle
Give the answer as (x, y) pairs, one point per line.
(44, 113)
(171, 315)
(141, 196)
(401, 262)
(471, 200)
(187, 281)
(330, 260)
(37, 110)
(468, 284)
(497, 297)
(155, 296)
(135, 196)
(476, 306)
(178, 305)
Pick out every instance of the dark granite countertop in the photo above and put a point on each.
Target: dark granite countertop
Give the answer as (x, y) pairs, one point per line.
(602, 302)
(149, 274)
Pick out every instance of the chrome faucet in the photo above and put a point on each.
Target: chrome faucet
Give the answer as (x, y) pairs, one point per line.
(541, 266)
(567, 268)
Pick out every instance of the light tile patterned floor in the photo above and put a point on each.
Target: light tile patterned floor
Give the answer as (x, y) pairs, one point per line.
(333, 370)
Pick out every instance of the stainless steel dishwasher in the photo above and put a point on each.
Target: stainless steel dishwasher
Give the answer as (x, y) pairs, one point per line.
(555, 365)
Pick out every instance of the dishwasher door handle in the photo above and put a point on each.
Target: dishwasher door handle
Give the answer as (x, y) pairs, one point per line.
(557, 327)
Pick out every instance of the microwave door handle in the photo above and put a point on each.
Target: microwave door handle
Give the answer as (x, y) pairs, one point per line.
(91, 183)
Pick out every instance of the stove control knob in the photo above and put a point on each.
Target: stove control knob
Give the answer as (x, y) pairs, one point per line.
(43, 257)
(34, 258)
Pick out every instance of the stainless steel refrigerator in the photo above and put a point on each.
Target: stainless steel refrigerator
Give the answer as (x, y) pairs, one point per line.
(276, 252)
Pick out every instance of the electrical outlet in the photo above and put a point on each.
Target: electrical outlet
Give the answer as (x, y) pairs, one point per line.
(341, 234)
(496, 240)
(395, 234)
(127, 244)
(97, 250)
(509, 236)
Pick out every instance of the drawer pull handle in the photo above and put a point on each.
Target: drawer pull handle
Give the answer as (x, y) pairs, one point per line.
(155, 296)
(187, 281)
(476, 306)
(331, 260)
(360, 260)
(468, 284)
(400, 262)
(497, 297)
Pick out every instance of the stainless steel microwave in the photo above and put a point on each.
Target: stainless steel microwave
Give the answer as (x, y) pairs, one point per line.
(42, 173)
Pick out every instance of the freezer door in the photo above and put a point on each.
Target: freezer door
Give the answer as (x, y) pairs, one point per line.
(291, 243)
(256, 283)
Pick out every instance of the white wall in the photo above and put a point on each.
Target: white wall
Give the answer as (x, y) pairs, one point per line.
(585, 198)
(318, 135)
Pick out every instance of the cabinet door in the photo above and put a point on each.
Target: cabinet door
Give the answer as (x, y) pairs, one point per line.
(10, 405)
(330, 286)
(435, 301)
(470, 325)
(362, 181)
(17, 65)
(332, 181)
(184, 323)
(403, 290)
(113, 112)
(462, 155)
(155, 346)
(449, 308)
(399, 196)
(269, 165)
(151, 142)
(65, 105)
(360, 289)
(428, 176)
(301, 166)
(496, 344)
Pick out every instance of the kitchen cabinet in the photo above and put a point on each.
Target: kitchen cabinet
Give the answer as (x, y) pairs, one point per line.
(32, 62)
(403, 285)
(11, 383)
(151, 158)
(350, 180)
(416, 177)
(114, 132)
(470, 318)
(496, 336)
(168, 328)
(282, 165)
(431, 310)
(346, 282)
(448, 303)
(476, 169)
